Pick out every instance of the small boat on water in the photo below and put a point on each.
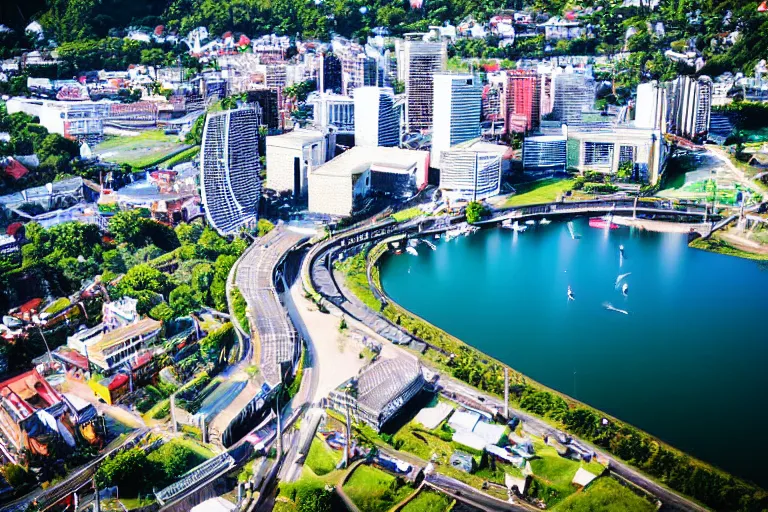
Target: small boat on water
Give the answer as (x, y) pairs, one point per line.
(625, 289)
(545, 221)
(602, 223)
(515, 226)
(570, 294)
(530, 222)
(410, 250)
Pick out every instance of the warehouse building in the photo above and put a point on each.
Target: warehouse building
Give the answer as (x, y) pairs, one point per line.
(340, 186)
(380, 391)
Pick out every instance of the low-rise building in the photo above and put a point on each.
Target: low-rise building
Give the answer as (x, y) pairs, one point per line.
(380, 391)
(472, 171)
(121, 346)
(291, 156)
(35, 417)
(607, 150)
(545, 153)
(339, 186)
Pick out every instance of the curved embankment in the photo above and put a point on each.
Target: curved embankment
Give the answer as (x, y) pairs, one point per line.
(682, 473)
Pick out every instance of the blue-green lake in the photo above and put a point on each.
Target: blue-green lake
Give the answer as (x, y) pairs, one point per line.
(687, 362)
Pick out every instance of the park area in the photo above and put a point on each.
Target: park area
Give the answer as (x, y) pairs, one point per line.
(148, 148)
(373, 490)
(535, 192)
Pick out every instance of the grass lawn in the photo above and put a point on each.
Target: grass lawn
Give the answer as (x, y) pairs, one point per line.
(428, 501)
(132, 503)
(605, 495)
(321, 458)
(201, 451)
(356, 279)
(373, 490)
(407, 214)
(718, 245)
(556, 473)
(148, 148)
(543, 191)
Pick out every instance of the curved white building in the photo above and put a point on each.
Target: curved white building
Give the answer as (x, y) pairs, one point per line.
(229, 176)
(472, 171)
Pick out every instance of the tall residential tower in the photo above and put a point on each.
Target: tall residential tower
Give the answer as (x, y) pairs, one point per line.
(229, 176)
(458, 102)
(376, 119)
(421, 60)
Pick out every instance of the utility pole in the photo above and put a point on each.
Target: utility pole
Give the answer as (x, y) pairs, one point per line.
(506, 392)
(349, 440)
(96, 502)
(173, 412)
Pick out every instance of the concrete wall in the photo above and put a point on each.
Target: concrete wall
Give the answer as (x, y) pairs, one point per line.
(330, 194)
(280, 167)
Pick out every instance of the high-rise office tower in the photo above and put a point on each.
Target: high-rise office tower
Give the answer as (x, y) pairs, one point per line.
(229, 176)
(357, 70)
(521, 101)
(330, 73)
(457, 103)
(421, 60)
(573, 94)
(376, 119)
(689, 106)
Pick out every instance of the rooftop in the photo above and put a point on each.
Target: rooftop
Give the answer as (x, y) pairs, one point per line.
(295, 139)
(140, 328)
(385, 380)
(361, 158)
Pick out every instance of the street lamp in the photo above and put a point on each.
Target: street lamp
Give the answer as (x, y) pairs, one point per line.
(36, 320)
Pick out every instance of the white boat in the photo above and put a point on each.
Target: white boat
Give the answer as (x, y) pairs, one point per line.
(410, 250)
(570, 294)
(625, 289)
(545, 221)
(530, 222)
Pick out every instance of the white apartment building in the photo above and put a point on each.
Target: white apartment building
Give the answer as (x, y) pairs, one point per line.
(472, 171)
(458, 105)
(333, 110)
(291, 156)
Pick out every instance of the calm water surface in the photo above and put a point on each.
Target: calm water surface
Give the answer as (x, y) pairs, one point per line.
(687, 363)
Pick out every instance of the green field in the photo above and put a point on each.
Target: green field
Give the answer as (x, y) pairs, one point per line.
(407, 214)
(322, 459)
(146, 149)
(544, 191)
(605, 495)
(555, 473)
(373, 490)
(428, 501)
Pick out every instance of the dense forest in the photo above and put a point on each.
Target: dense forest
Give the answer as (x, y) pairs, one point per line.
(89, 26)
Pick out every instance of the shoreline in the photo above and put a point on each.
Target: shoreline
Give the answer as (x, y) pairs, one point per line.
(659, 226)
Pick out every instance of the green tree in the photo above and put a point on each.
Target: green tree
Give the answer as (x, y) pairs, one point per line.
(314, 499)
(130, 470)
(202, 279)
(152, 57)
(173, 460)
(189, 234)
(183, 300)
(475, 211)
(162, 312)
(142, 277)
(264, 227)
(127, 227)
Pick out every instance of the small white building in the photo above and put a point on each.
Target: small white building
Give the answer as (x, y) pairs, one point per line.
(292, 155)
(339, 186)
(557, 28)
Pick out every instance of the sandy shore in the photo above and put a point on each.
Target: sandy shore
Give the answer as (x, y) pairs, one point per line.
(658, 225)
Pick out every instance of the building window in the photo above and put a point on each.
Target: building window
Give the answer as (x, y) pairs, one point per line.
(598, 153)
(626, 154)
